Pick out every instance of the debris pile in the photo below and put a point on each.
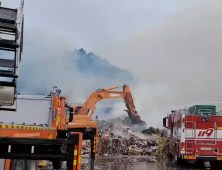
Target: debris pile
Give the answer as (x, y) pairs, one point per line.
(132, 144)
(117, 139)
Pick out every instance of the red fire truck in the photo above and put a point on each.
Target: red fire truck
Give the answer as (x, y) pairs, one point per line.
(194, 133)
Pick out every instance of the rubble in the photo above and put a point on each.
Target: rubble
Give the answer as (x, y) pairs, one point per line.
(117, 139)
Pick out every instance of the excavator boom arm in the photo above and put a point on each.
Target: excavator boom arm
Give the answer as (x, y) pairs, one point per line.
(95, 97)
(88, 108)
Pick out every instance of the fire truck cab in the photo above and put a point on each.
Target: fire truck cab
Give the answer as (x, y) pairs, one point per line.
(194, 133)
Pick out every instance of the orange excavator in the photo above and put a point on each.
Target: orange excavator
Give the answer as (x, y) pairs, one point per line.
(86, 111)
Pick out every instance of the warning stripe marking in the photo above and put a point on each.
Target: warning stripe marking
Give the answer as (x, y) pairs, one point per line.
(75, 158)
(42, 163)
(25, 127)
(94, 147)
(189, 157)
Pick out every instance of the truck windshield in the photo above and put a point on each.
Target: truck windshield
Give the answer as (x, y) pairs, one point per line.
(205, 112)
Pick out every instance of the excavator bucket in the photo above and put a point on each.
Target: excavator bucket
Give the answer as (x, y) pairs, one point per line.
(136, 120)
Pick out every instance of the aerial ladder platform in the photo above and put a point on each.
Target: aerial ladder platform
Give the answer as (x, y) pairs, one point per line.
(11, 49)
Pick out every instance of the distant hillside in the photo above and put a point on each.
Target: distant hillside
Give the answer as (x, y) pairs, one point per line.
(76, 70)
(92, 63)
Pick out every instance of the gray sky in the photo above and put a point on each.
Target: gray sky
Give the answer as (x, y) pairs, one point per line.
(172, 47)
(86, 22)
(182, 56)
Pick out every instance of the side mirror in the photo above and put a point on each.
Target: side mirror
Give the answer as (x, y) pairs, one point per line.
(165, 122)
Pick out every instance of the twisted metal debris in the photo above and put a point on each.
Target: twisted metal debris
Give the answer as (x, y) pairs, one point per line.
(117, 139)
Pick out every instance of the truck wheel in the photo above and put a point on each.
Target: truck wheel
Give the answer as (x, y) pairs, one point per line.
(57, 164)
(31, 164)
(216, 164)
(17, 164)
(178, 160)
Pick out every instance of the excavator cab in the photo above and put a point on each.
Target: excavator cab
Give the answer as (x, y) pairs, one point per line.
(11, 41)
(71, 111)
(69, 114)
(77, 108)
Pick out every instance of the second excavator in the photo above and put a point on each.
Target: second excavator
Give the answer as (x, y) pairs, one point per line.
(86, 111)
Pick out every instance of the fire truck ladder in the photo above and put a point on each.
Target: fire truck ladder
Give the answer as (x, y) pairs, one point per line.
(11, 42)
(189, 144)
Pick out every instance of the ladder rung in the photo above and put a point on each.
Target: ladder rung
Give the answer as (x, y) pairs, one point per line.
(7, 49)
(6, 63)
(7, 109)
(7, 27)
(8, 15)
(7, 84)
(9, 74)
(8, 19)
(8, 44)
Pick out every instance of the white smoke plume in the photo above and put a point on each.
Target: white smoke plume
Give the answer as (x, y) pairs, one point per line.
(180, 60)
(175, 63)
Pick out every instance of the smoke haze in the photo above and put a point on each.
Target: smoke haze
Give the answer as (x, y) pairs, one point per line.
(178, 63)
(54, 62)
(173, 51)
